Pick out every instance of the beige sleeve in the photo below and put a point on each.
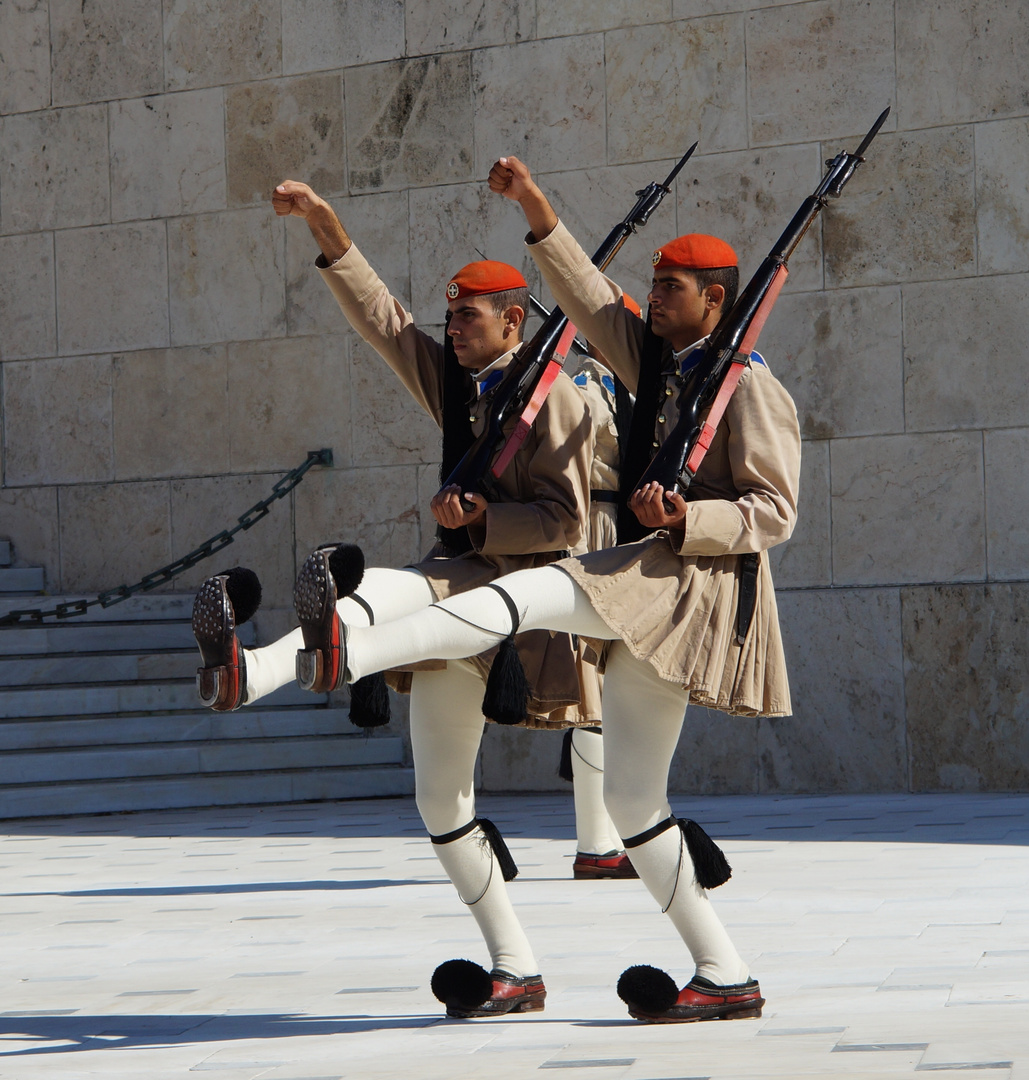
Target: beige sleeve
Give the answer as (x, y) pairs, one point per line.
(764, 458)
(592, 301)
(382, 321)
(554, 464)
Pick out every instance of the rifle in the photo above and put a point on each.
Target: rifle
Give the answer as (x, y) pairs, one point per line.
(709, 384)
(528, 379)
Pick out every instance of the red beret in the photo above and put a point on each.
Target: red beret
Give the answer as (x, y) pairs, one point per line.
(695, 252)
(479, 278)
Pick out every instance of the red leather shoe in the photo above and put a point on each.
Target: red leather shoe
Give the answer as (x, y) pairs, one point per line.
(586, 867)
(222, 681)
(510, 995)
(653, 1001)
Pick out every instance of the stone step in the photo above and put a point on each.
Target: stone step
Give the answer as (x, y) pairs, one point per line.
(196, 758)
(151, 605)
(112, 699)
(24, 580)
(256, 722)
(71, 637)
(235, 789)
(49, 671)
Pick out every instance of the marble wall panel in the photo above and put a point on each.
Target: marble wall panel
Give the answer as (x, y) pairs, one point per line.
(317, 35)
(55, 171)
(958, 62)
(169, 413)
(716, 755)
(449, 227)
(28, 312)
(685, 9)
(288, 129)
(443, 25)
(286, 397)
(517, 759)
(376, 508)
(226, 277)
(805, 560)
(671, 84)
(201, 508)
(409, 123)
(542, 101)
(747, 198)
(105, 49)
(112, 288)
(1007, 496)
(908, 508)
(968, 712)
(908, 213)
(964, 362)
(841, 355)
(428, 485)
(57, 421)
(845, 662)
(112, 534)
(556, 18)
(1001, 196)
(30, 518)
(167, 155)
(388, 426)
(592, 201)
(378, 225)
(209, 43)
(819, 70)
(25, 56)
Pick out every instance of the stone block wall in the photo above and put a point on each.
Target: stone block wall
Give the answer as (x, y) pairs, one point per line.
(167, 351)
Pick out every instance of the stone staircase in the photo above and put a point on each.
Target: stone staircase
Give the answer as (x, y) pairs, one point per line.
(98, 713)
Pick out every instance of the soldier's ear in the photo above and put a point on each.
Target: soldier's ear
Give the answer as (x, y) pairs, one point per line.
(715, 295)
(514, 316)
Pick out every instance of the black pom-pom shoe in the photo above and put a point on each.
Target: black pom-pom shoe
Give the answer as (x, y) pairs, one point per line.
(653, 997)
(224, 602)
(470, 992)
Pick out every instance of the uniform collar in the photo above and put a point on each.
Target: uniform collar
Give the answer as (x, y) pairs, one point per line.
(490, 375)
(686, 358)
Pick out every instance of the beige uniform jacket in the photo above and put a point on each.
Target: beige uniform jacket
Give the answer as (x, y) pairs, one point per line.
(672, 596)
(540, 511)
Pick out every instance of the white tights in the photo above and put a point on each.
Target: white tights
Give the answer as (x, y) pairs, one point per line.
(638, 747)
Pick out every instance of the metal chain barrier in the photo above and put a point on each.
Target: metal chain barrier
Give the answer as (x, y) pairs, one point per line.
(208, 548)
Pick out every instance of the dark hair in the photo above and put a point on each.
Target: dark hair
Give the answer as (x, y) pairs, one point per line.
(726, 276)
(501, 301)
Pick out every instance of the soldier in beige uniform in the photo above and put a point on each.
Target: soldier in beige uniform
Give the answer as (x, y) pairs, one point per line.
(661, 612)
(537, 515)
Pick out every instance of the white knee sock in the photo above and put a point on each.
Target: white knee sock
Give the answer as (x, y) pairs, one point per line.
(390, 594)
(473, 868)
(595, 832)
(666, 869)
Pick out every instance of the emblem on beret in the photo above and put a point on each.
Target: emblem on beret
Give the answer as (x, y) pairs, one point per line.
(656, 258)
(452, 290)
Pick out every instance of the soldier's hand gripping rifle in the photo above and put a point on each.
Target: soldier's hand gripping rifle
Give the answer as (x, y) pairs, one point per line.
(528, 379)
(708, 385)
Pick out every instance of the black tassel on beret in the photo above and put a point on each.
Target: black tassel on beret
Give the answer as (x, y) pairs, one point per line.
(507, 689)
(244, 591)
(503, 853)
(709, 862)
(369, 701)
(462, 984)
(648, 989)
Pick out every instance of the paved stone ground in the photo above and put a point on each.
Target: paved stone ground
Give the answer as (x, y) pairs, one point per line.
(890, 935)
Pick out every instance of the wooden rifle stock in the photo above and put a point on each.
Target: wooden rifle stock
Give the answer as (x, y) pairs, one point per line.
(477, 471)
(676, 462)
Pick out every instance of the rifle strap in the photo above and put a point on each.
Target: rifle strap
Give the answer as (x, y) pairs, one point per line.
(739, 362)
(535, 403)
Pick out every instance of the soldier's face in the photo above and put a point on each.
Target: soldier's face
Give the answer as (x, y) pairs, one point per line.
(479, 337)
(677, 309)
